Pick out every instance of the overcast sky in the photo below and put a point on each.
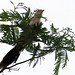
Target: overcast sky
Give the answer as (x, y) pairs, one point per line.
(59, 12)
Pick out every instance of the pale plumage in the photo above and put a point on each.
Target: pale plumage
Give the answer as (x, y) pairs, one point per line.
(37, 16)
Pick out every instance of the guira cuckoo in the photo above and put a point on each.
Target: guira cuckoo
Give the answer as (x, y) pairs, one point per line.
(14, 53)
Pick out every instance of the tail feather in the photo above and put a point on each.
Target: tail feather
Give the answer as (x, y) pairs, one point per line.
(9, 58)
(2, 67)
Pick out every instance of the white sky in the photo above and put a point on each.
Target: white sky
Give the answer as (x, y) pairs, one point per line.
(59, 12)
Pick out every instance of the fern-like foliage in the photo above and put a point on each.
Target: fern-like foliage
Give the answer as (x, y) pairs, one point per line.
(53, 40)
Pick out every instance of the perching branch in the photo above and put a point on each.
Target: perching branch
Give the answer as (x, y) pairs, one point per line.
(31, 59)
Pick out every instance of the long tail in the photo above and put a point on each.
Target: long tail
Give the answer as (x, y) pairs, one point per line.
(10, 57)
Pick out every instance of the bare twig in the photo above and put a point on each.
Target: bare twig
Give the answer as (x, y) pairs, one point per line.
(21, 62)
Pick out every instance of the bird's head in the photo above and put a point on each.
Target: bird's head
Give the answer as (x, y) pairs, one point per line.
(38, 13)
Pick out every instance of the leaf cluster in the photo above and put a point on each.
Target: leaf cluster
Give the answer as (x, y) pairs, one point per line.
(53, 40)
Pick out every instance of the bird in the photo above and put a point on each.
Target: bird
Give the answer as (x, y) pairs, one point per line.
(13, 54)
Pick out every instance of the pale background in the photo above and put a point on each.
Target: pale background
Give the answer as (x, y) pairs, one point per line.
(59, 12)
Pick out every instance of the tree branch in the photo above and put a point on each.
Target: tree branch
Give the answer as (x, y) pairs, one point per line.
(22, 62)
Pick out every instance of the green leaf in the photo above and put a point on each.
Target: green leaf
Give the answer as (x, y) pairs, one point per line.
(56, 70)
